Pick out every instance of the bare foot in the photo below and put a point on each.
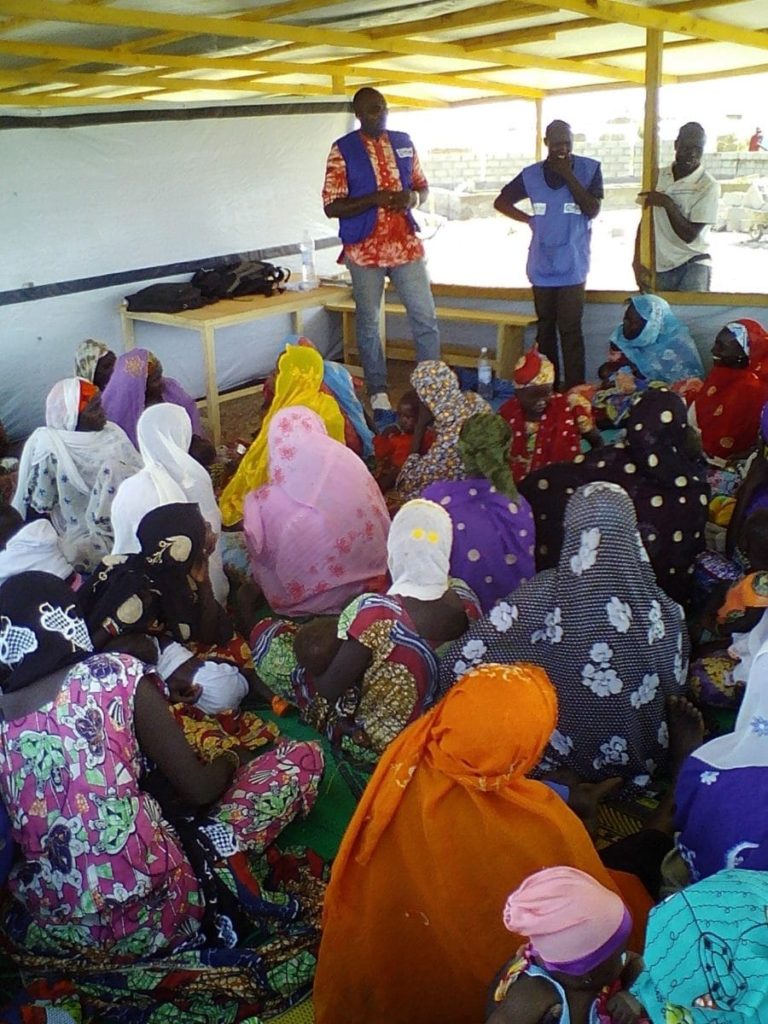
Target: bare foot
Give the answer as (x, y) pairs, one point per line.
(584, 798)
(686, 731)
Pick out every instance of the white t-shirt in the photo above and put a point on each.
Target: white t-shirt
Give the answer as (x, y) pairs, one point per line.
(697, 196)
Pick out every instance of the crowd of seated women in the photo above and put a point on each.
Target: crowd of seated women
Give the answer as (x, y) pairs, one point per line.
(350, 720)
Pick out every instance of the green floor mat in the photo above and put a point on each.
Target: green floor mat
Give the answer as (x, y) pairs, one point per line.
(323, 828)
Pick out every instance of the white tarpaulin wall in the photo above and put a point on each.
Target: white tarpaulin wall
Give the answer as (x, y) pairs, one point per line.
(100, 199)
(82, 202)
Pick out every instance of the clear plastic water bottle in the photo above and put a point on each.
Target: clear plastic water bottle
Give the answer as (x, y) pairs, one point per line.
(484, 375)
(308, 265)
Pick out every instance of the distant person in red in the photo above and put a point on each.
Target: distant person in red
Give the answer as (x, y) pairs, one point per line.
(393, 445)
(756, 144)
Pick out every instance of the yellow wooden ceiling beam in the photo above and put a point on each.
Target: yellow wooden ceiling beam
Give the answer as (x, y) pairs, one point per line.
(240, 28)
(486, 15)
(755, 69)
(263, 14)
(636, 51)
(535, 34)
(168, 85)
(52, 99)
(663, 19)
(73, 55)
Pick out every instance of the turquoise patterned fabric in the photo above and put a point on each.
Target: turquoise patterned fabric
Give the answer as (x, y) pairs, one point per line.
(706, 953)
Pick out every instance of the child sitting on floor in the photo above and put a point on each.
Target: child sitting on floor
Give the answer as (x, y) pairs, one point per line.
(316, 644)
(204, 698)
(212, 686)
(574, 968)
(393, 446)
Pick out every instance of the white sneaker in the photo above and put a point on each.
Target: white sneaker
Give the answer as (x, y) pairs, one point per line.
(381, 401)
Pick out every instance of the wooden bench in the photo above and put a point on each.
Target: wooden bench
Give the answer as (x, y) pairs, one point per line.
(510, 331)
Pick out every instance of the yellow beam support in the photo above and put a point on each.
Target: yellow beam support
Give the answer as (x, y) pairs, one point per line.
(486, 15)
(264, 13)
(636, 51)
(663, 19)
(73, 55)
(167, 85)
(242, 29)
(42, 100)
(755, 69)
(541, 33)
(653, 61)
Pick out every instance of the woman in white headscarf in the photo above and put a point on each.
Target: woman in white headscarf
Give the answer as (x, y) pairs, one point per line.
(385, 669)
(71, 468)
(722, 789)
(170, 475)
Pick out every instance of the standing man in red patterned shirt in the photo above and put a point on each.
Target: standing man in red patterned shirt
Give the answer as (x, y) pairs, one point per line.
(372, 182)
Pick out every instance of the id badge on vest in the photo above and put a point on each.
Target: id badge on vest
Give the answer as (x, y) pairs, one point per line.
(404, 152)
(572, 208)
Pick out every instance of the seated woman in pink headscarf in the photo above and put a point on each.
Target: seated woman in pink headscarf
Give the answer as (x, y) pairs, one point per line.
(317, 532)
(137, 381)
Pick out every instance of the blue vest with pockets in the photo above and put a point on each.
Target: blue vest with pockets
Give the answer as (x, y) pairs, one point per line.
(559, 251)
(361, 181)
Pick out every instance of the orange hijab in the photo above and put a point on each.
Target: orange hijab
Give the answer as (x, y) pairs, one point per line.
(448, 826)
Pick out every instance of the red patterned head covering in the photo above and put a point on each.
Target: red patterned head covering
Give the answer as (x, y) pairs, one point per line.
(533, 369)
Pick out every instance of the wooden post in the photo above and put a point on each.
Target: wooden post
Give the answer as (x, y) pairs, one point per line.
(654, 51)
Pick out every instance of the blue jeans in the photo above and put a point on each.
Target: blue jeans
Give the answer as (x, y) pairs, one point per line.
(693, 276)
(412, 286)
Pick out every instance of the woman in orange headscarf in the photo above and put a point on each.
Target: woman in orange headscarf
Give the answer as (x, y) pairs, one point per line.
(448, 824)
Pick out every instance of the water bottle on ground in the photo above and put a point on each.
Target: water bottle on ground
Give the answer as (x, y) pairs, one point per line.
(484, 375)
(308, 265)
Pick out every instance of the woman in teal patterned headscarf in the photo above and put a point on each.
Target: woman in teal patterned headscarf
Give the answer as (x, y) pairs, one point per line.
(656, 342)
(706, 953)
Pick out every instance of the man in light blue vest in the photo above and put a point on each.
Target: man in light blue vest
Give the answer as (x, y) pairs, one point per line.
(373, 180)
(565, 192)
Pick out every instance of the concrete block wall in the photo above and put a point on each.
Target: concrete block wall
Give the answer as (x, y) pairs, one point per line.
(467, 171)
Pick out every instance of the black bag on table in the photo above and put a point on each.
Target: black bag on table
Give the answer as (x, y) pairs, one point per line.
(246, 277)
(166, 298)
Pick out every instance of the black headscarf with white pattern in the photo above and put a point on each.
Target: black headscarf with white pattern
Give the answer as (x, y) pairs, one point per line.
(40, 629)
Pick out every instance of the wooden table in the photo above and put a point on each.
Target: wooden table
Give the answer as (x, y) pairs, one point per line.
(227, 313)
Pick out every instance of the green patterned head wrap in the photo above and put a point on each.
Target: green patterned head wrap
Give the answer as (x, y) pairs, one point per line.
(484, 448)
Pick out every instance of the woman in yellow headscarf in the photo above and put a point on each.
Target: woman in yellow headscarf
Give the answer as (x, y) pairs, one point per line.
(298, 382)
(448, 824)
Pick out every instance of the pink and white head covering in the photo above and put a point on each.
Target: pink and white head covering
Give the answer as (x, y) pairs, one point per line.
(317, 531)
(574, 923)
(303, 459)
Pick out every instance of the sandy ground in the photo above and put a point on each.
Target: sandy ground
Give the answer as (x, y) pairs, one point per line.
(492, 251)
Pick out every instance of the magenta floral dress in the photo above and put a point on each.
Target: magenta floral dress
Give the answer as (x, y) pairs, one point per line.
(100, 866)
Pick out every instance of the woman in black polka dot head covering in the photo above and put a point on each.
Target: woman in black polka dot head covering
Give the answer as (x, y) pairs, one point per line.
(664, 476)
(612, 642)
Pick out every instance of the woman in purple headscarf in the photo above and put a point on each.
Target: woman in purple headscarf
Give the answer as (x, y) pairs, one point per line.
(137, 381)
(493, 530)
